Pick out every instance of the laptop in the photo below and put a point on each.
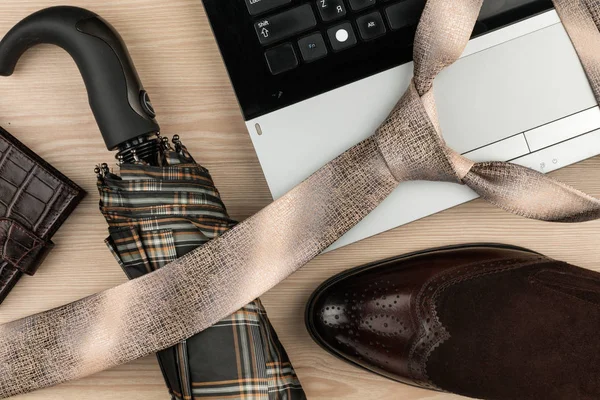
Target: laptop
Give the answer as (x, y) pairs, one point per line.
(315, 77)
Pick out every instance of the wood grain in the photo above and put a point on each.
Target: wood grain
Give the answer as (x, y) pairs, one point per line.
(45, 105)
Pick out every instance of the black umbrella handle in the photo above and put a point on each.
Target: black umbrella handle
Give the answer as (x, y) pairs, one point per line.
(118, 100)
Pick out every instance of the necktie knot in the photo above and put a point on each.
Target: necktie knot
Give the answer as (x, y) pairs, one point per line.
(410, 139)
(412, 147)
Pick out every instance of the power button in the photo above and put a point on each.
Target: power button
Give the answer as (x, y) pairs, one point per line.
(147, 104)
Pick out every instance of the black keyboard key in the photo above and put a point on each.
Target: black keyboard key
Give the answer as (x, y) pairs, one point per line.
(357, 5)
(404, 14)
(256, 7)
(312, 47)
(370, 26)
(281, 58)
(331, 9)
(283, 25)
(341, 36)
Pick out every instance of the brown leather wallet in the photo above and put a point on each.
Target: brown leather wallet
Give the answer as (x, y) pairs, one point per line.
(35, 200)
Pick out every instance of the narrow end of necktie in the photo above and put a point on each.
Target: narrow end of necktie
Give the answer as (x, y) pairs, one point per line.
(530, 194)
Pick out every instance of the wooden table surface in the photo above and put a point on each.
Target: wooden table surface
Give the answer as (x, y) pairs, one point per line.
(45, 105)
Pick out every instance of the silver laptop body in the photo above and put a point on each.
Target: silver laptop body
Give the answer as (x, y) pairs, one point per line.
(518, 93)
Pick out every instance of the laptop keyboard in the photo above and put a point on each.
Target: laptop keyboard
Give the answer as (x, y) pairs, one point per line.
(317, 29)
(282, 52)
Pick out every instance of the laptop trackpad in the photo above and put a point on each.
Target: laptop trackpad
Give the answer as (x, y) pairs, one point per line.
(511, 88)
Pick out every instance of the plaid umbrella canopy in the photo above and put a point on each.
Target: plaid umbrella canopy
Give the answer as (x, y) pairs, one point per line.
(157, 214)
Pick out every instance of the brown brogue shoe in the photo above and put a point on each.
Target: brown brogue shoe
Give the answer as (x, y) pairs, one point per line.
(484, 321)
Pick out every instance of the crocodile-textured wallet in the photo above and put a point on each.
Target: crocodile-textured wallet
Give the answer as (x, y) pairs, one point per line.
(35, 199)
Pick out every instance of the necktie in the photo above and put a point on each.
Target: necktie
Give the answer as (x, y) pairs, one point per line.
(185, 297)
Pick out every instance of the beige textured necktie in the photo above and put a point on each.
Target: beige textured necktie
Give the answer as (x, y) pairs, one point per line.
(160, 309)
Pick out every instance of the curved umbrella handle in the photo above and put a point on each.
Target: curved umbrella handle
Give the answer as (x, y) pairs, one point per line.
(118, 100)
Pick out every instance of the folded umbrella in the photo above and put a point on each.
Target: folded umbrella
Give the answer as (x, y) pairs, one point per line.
(157, 214)
(160, 207)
